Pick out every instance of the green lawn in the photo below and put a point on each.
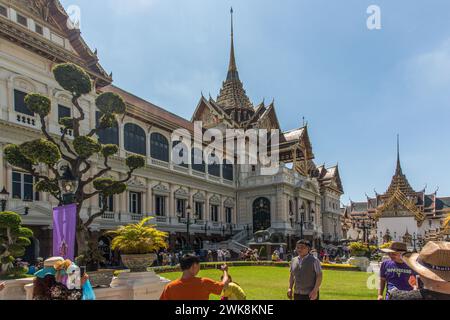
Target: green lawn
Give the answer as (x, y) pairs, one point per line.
(271, 283)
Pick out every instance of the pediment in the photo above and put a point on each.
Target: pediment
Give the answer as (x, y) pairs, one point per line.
(229, 202)
(161, 188)
(181, 192)
(199, 196)
(136, 183)
(215, 199)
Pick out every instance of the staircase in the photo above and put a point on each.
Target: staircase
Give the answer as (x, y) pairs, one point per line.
(236, 244)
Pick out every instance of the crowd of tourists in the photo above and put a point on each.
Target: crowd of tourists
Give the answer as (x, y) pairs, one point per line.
(403, 276)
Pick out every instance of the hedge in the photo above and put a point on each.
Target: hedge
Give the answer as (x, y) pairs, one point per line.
(216, 265)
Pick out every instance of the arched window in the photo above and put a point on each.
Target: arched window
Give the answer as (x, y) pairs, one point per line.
(261, 214)
(198, 163)
(159, 147)
(227, 171)
(214, 165)
(109, 135)
(178, 154)
(134, 137)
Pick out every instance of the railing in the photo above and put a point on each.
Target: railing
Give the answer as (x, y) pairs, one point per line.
(26, 119)
(136, 217)
(240, 236)
(214, 178)
(198, 174)
(160, 163)
(109, 216)
(161, 219)
(181, 168)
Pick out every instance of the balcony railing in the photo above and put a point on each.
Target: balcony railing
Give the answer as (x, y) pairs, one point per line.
(109, 216)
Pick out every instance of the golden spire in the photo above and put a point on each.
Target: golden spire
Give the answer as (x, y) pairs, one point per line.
(398, 171)
(399, 180)
(232, 68)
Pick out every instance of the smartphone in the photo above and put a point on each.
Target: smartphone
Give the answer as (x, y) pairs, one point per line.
(82, 271)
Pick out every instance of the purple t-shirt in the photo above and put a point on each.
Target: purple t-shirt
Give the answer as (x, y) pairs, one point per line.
(397, 275)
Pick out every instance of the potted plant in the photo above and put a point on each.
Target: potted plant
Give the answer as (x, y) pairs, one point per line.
(138, 244)
(91, 258)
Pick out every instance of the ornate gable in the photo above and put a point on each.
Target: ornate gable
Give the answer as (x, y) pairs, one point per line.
(398, 205)
(52, 15)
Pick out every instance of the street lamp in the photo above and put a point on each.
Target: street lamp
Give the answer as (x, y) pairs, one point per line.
(68, 184)
(188, 224)
(4, 197)
(365, 227)
(248, 228)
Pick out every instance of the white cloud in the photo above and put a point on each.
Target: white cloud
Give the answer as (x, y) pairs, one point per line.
(430, 72)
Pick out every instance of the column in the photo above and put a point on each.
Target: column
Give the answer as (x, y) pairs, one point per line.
(2, 169)
(121, 140)
(172, 211)
(149, 202)
(207, 213)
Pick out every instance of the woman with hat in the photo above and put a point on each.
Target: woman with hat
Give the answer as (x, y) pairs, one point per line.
(48, 284)
(395, 273)
(433, 267)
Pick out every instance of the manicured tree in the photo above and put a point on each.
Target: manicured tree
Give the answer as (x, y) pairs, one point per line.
(13, 241)
(80, 152)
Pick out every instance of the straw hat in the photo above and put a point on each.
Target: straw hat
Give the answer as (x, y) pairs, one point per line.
(433, 262)
(396, 247)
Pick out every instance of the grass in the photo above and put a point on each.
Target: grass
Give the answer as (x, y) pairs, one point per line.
(271, 283)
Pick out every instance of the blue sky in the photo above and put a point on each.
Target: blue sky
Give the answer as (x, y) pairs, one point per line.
(356, 88)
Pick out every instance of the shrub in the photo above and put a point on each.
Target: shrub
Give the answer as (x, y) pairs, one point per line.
(135, 162)
(86, 146)
(38, 104)
(13, 241)
(138, 238)
(73, 79)
(110, 103)
(359, 249)
(41, 150)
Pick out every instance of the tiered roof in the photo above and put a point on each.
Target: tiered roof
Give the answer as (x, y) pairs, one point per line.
(232, 95)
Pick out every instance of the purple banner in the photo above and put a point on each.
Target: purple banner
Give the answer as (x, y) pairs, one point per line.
(64, 228)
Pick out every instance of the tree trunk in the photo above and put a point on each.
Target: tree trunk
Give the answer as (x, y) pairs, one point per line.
(83, 236)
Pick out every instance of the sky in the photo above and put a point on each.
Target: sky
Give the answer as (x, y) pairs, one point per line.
(357, 88)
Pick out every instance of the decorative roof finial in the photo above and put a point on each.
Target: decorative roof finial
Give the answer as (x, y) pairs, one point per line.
(232, 68)
(399, 167)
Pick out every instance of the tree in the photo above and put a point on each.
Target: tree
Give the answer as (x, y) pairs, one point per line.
(13, 241)
(78, 153)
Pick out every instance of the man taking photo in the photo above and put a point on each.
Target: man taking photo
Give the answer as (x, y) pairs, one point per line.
(190, 287)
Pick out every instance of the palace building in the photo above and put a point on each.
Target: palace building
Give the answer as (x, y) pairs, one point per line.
(400, 214)
(230, 202)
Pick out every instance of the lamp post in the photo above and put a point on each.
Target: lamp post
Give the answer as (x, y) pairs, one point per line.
(4, 197)
(248, 231)
(206, 228)
(188, 223)
(302, 222)
(365, 228)
(68, 184)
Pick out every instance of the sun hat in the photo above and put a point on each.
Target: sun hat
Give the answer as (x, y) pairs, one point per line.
(396, 247)
(49, 269)
(433, 262)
